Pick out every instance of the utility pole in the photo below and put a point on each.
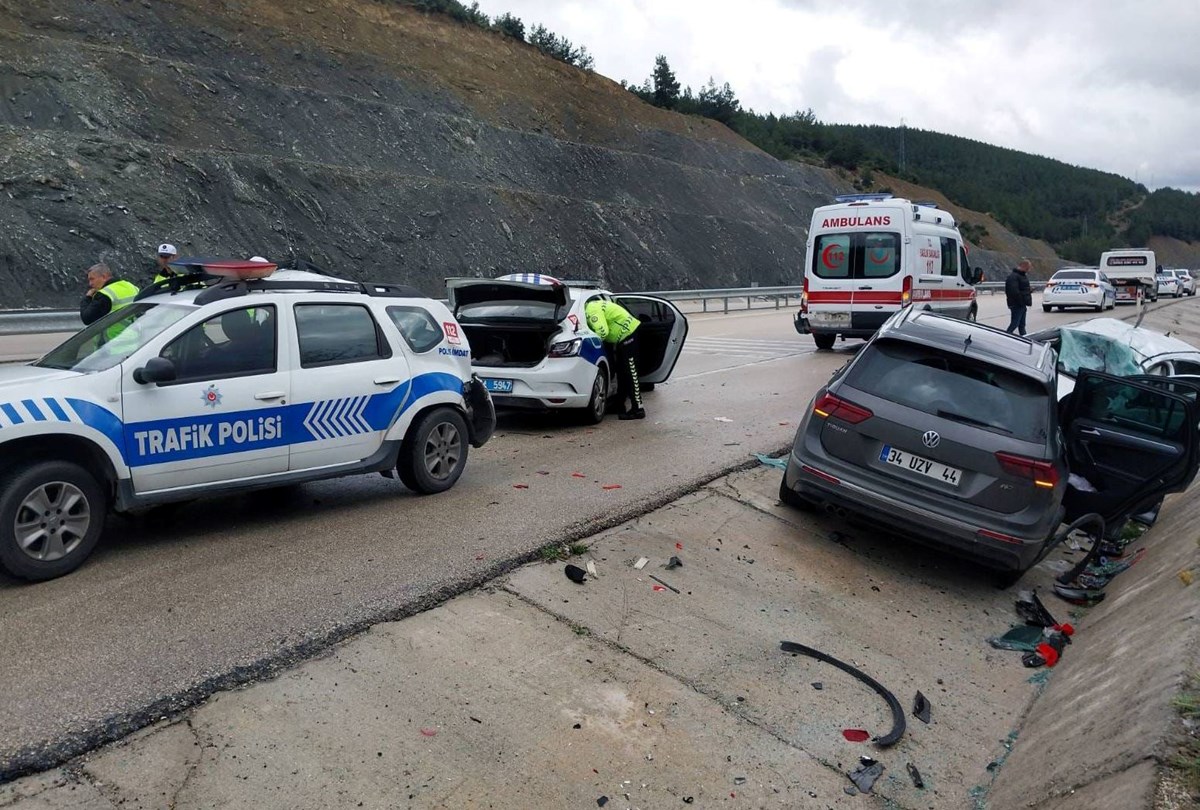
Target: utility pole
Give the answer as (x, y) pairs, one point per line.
(902, 155)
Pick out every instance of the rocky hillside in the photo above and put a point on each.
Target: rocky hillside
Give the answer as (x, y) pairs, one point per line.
(369, 138)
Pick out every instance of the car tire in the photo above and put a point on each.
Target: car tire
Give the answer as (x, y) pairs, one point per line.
(789, 498)
(824, 340)
(54, 487)
(597, 407)
(1100, 307)
(646, 387)
(1046, 308)
(1006, 579)
(434, 455)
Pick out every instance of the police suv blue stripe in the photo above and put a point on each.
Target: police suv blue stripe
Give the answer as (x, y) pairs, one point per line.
(210, 434)
(57, 410)
(32, 407)
(11, 413)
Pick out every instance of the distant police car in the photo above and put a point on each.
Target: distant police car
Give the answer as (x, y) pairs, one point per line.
(219, 381)
(531, 345)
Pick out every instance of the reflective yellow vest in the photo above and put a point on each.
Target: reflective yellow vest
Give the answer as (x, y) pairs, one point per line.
(611, 322)
(121, 293)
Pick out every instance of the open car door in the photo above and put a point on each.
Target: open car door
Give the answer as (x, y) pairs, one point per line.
(660, 337)
(1132, 440)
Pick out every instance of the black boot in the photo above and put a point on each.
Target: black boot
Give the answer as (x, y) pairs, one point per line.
(636, 413)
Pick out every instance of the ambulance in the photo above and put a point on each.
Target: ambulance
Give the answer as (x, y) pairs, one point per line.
(869, 255)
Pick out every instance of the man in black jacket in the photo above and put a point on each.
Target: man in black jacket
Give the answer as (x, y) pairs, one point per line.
(1019, 296)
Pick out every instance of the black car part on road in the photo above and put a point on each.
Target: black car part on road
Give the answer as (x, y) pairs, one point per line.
(898, 724)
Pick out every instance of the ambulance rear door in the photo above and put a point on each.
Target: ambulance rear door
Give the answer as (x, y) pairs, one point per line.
(853, 274)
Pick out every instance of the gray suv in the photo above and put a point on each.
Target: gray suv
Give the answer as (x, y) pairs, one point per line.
(951, 432)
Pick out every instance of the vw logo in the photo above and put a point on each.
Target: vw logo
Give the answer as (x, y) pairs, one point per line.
(931, 439)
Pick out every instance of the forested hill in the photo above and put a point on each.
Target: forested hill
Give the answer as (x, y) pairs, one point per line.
(1080, 211)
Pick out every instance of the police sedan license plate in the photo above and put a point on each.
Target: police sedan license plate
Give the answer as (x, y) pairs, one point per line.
(498, 386)
(1071, 288)
(923, 466)
(829, 318)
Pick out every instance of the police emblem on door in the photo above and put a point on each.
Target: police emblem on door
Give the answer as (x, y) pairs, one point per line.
(931, 439)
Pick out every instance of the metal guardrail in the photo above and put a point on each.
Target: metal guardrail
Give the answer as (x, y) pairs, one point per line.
(42, 321)
(39, 321)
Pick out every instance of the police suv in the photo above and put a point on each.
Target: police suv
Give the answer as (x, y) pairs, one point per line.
(227, 378)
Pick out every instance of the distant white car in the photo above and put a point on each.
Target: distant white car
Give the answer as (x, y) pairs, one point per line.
(1187, 284)
(1079, 287)
(1168, 284)
(531, 345)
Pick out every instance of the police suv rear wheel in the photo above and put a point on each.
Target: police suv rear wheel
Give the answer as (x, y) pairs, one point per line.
(51, 517)
(435, 455)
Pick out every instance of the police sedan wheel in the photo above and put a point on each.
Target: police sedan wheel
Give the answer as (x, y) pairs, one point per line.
(52, 514)
(435, 454)
(598, 404)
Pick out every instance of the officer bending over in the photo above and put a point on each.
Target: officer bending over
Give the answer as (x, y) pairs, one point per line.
(613, 324)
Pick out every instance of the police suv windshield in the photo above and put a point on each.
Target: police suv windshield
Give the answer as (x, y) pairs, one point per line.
(110, 340)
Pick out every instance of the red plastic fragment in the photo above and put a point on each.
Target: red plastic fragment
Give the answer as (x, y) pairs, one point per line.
(611, 486)
(679, 546)
(856, 734)
(429, 732)
(659, 588)
(578, 475)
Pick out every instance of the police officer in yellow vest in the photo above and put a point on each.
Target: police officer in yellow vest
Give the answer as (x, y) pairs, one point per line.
(613, 324)
(105, 293)
(162, 264)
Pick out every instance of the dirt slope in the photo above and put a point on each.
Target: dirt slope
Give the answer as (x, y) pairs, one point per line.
(377, 141)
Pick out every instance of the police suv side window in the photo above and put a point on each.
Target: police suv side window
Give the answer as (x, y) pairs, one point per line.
(331, 334)
(418, 328)
(237, 343)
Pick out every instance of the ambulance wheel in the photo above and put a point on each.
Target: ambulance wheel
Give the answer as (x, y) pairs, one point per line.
(51, 517)
(435, 453)
(824, 340)
(593, 413)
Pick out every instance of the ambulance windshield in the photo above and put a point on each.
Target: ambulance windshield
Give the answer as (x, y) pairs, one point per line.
(110, 340)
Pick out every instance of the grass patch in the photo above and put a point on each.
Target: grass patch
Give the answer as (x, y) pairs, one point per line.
(560, 552)
(1186, 761)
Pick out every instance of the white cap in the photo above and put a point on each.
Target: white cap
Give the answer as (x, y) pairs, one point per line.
(259, 259)
(166, 247)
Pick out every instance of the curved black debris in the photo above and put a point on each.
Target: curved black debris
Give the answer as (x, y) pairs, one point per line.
(893, 736)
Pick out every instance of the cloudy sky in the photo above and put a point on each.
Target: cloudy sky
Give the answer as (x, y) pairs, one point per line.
(1107, 84)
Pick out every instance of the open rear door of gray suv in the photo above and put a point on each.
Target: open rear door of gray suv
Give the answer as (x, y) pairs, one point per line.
(1129, 442)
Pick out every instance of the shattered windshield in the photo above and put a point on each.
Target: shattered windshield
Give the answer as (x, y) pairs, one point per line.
(1084, 350)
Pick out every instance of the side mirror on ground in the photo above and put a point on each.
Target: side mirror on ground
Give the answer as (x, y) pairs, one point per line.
(156, 370)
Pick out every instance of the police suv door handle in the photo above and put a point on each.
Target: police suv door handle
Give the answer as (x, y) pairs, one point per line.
(386, 380)
(271, 395)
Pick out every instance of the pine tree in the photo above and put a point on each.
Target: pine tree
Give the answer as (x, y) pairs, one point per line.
(666, 86)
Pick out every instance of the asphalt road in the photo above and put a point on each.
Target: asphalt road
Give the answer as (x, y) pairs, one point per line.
(220, 592)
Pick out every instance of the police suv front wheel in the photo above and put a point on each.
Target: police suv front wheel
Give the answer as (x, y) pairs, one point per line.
(435, 453)
(51, 517)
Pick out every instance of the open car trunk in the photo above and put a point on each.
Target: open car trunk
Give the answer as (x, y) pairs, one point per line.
(514, 345)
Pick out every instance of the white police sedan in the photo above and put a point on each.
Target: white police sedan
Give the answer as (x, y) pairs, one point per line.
(531, 346)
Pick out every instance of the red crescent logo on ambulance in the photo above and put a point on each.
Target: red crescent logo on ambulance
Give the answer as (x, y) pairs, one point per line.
(833, 256)
(878, 255)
